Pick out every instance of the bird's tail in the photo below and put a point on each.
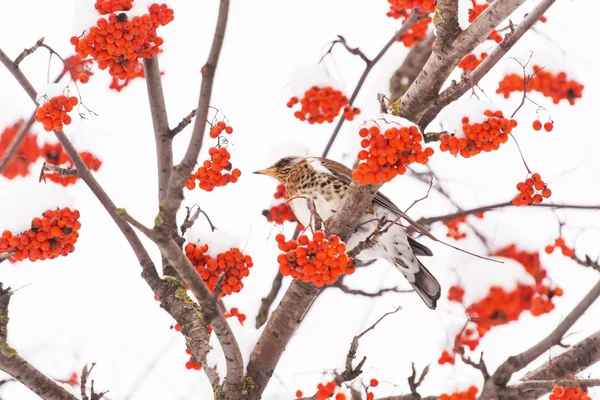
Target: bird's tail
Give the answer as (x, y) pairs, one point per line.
(424, 284)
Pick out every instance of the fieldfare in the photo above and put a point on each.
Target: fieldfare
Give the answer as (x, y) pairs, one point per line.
(326, 182)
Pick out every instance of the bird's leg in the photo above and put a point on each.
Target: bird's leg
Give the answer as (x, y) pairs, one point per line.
(318, 221)
(370, 241)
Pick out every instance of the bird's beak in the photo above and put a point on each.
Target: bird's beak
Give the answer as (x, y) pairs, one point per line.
(268, 171)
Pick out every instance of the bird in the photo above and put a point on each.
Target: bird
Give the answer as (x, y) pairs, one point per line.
(326, 182)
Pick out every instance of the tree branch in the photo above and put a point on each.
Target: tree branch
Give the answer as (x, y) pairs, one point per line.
(18, 368)
(447, 56)
(158, 109)
(456, 90)
(184, 122)
(168, 209)
(267, 302)
(412, 65)
(339, 284)
(446, 22)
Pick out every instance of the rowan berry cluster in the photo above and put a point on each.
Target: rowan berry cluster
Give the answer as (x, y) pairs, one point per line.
(533, 191)
(192, 363)
(555, 86)
(235, 312)
(559, 243)
(471, 61)
(398, 6)
(119, 84)
(322, 104)
(475, 11)
(52, 235)
(55, 154)
(485, 136)
(26, 154)
(320, 260)
(416, 32)
(325, 391)
(80, 70)
(281, 210)
(562, 393)
(219, 128)
(53, 113)
(387, 154)
(500, 306)
(454, 226)
(118, 41)
(548, 126)
(469, 394)
(232, 263)
(216, 171)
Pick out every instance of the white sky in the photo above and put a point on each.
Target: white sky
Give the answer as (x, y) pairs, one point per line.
(92, 306)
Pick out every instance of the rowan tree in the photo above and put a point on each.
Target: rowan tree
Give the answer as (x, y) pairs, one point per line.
(471, 92)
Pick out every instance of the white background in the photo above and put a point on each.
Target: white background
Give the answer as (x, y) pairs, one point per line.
(92, 306)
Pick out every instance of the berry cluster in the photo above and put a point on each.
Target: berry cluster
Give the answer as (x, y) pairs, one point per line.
(56, 155)
(119, 84)
(397, 7)
(470, 394)
(80, 70)
(486, 136)
(320, 260)
(53, 235)
(559, 242)
(387, 154)
(232, 263)
(281, 211)
(322, 104)
(416, 33)
(73, 380)
(53, 113)
(548, 126)
(471, 61)
(453, 226)
(475, 11)
(192, 363)
(26, 154)
(555, 86)
(500, 307)
(210, 174)
(234, 312)
(219, 128)
(562, 393)
(119, 41)
(533, 191)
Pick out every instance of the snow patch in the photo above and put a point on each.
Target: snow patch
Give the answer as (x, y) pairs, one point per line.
(85, 14)
(216, 358)
(304, 78)
(218, 241)
(23, 199)
(450, 118)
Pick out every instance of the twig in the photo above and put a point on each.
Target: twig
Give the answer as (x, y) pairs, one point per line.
(266, 302)
(414, 385)
(60, 171)
(424, 197)
(135, 223)
(370, 64)
(189, 218)
(318, 221)
(354, 51)
(184, 122)
(28, 51)
(339, 284)
(163, 139)
(587, 262)
(447, 217)
(85, 373)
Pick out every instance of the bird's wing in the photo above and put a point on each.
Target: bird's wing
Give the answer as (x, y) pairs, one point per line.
(344, 174)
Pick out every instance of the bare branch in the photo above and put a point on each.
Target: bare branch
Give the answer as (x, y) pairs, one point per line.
(354, 51)
(85, 373)
(414, 384)
(190, 219)
(266, 302)
(456, 90)
(184, 122)
(339, 284)
(135, 223)
(414, 62)
(166, 221)
(17, 367)
(28, 51)
(447, 217)
(515, 363)
(370, 64)
(588, 262)
(158, 110)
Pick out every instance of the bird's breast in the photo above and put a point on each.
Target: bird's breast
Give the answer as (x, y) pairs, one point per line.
(325, 205)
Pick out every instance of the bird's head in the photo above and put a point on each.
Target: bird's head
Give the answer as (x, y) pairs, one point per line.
(281, 169)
